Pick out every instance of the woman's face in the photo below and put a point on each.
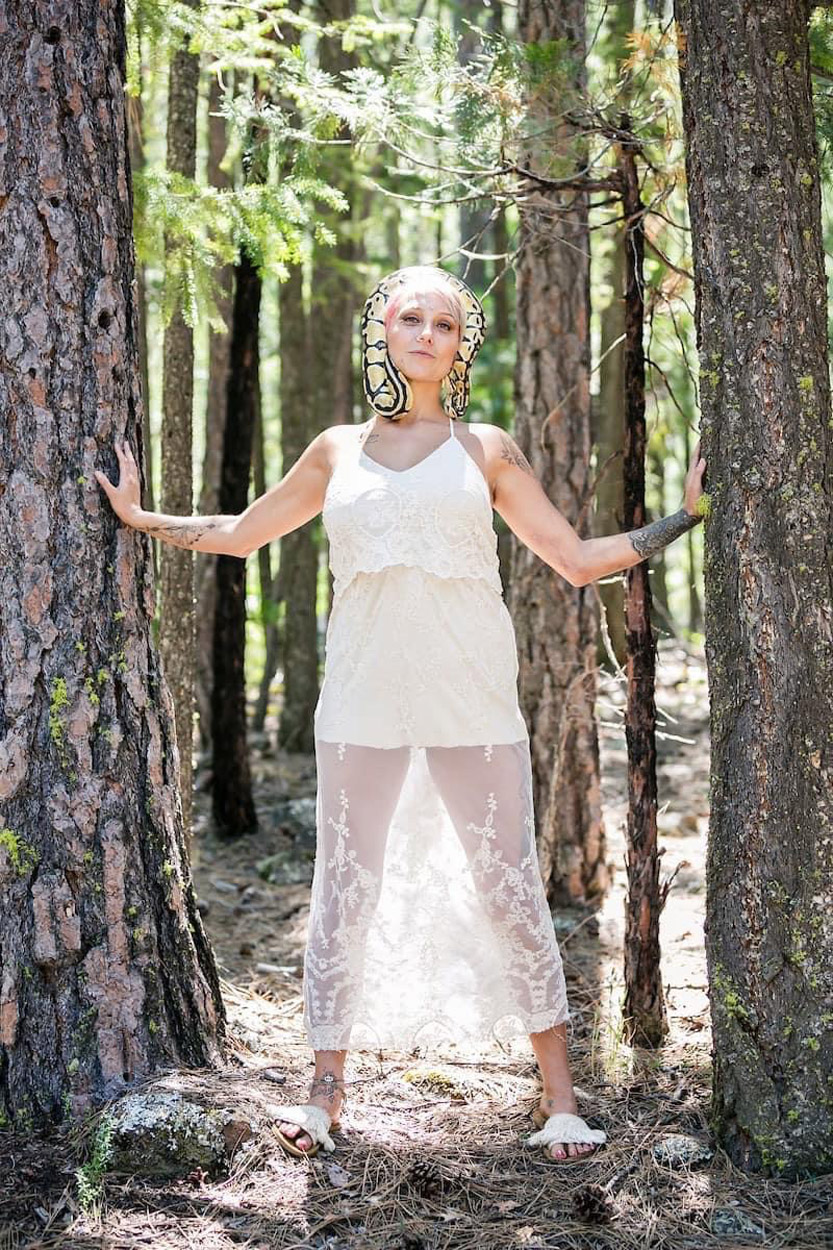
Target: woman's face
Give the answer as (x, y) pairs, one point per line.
(423, 336)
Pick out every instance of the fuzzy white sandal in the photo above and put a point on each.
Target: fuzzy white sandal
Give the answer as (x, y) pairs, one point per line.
(315, 1122)
(567, 1128)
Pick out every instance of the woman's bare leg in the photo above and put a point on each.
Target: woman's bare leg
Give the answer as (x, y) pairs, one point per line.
(465, 776)
(557, 1094)
(326, 1090)
(358, 789)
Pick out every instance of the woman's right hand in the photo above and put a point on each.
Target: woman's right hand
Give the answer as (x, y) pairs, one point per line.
(126, 497)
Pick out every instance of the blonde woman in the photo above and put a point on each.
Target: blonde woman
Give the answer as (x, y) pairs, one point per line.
(428, 917)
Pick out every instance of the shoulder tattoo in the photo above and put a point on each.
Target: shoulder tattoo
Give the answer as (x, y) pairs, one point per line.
(510, 451)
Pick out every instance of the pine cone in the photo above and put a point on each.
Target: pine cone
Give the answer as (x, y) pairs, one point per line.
(592, 1204)
(424, 1177)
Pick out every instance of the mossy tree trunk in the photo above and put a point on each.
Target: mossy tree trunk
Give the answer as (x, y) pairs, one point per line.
(754, 198)
(555, 623)
(105, 970)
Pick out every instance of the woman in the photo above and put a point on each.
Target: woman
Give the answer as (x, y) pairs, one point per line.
(428, 914)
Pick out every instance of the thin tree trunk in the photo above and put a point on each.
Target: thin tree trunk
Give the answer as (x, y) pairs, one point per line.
(609, 436)
(232, 799)
(555, 623)
(329, 388)
(177, 622)
(755, 206)
(268, 597)
(659, 565)
(609, 427)
(205, 573)
(107, 974)
(695, 607)
(644, 1014)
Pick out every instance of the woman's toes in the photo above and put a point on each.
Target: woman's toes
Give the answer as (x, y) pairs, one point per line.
(296, 1134)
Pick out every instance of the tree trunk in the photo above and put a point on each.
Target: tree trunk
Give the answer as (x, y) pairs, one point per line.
(655, 455)
(106, 971)
(205, 575)
(328, 400)
(137, 159)
(268, 596)
(609, 427)
(644, 1008)
(695, 607)
(755, 205)
(556, 623)
(177, 622)
(232, 800)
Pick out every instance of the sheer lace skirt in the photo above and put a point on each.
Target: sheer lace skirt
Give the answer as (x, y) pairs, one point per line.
(428, 917)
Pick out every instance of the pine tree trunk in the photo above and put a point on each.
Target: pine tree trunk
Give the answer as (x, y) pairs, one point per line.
(106, 971)
(205, 575)
(644, 1012)
(232, 799)
(755, 206)
(609, 427)
(555, 623)
(329, 401)
(176, 564)
(298, 573)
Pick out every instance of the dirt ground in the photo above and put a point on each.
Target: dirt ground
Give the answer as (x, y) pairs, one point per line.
(431, 1153)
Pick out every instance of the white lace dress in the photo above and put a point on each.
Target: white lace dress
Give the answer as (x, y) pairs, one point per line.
(428, 918)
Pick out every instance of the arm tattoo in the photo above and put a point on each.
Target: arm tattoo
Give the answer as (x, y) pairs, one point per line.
(184, 533)
(652, 538)
(509, 450)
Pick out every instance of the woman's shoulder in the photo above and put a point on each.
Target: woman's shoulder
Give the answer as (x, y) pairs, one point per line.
(493, 438)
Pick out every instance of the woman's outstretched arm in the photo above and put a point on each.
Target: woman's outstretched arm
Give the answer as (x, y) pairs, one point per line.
(530, 514)
(290, 503)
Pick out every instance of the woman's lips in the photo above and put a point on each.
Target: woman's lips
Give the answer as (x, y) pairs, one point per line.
(419, 353)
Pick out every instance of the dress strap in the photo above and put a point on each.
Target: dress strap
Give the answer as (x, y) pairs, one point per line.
(451, 425)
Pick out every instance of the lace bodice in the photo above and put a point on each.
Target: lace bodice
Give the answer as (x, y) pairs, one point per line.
(436, 515)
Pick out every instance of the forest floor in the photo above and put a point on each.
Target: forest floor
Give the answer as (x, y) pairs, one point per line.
(430, 1154)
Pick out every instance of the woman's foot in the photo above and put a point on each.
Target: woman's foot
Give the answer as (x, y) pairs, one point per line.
(327, 1091)
(549, 1105)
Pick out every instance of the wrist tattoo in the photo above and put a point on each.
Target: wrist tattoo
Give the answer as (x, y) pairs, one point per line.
(652, 538)
(182, 533)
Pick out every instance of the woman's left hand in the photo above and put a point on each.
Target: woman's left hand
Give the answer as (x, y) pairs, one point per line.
(694, 482)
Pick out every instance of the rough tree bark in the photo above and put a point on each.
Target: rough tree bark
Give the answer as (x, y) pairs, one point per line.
(644, 1007)
(105, 970)
(176, 564)
(555, 623)
(755, 204)
(233, 804)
